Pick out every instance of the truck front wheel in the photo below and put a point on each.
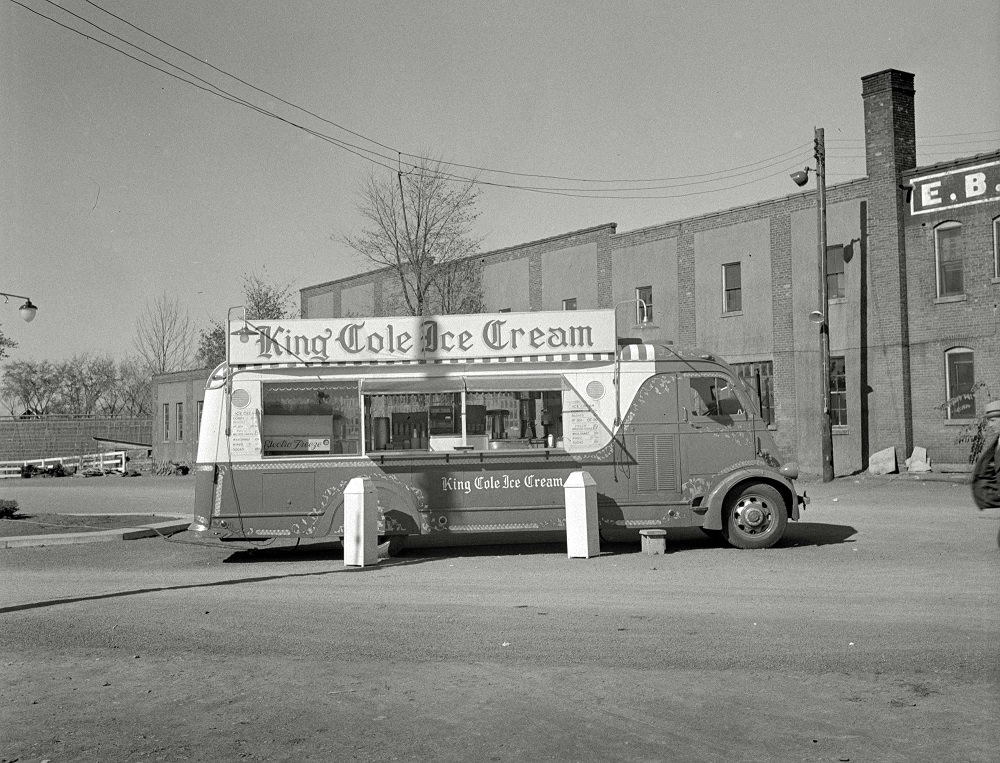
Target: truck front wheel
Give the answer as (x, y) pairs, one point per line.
(755, 517)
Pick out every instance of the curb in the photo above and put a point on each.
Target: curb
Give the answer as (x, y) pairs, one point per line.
(958, 477)
(98, 536)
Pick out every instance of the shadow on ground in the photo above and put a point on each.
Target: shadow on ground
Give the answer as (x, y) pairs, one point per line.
(797, 534)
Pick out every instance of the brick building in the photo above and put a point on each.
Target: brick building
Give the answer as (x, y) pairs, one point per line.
(177, 415)
(912, 274)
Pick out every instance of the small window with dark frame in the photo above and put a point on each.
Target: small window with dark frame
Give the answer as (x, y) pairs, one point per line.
(948, 253)
(569, 304)
(179, 411)
(835, 272)
(732, 288)
(643, 304)
(166, 422)
(838, 392)
(960, 379)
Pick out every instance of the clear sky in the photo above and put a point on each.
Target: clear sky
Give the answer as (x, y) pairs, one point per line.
(120, 183)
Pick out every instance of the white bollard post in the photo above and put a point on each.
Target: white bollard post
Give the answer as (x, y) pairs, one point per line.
(583, 539)
(360, 523)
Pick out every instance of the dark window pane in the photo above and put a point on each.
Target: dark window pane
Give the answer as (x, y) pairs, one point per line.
(732, 299)
(838, 391)
(961, 381)
(835, 271)
(949, 254)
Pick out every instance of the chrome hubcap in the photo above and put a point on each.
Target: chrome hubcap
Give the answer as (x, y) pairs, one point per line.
(752, 515)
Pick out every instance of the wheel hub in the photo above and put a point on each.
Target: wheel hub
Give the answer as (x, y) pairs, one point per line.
(751, 516)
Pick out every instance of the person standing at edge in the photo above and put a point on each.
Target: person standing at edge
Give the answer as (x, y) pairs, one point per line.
(986, 472)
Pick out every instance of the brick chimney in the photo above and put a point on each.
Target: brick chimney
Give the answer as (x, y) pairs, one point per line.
(890, 149)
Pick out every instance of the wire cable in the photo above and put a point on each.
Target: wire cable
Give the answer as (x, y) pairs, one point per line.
(385, 161)
(360, 151)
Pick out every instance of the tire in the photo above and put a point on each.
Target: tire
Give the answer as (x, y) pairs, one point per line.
(390, 545)
(755, 517)
(714, 535)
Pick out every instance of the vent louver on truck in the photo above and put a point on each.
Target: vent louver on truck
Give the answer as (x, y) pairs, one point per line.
(656, 462)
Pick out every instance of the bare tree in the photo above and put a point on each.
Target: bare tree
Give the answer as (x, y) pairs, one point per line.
(458, 287)
(266, 300)
(165, 336)
(263, 299)
(32, 386)
(133, 388)
(418, 225)
(6, 343)
(84, 382)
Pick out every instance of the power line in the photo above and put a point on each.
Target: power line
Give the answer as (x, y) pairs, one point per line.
(215, 89)
(385, 161)
(422, 158)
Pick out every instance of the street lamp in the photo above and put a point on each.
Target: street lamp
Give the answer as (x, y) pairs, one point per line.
(822, 316)
(643, 321)
(642, 317)
(27, 310)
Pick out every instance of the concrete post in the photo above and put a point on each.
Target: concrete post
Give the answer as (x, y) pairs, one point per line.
(360, 523)
(582, 536)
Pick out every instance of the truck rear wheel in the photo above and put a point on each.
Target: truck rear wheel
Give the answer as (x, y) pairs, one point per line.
(390, 545)
(755, 517)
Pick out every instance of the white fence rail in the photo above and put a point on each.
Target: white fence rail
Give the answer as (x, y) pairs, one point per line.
(109, 461)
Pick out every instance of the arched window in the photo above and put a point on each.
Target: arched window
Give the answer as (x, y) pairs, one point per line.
(948, 255)
(960, 379)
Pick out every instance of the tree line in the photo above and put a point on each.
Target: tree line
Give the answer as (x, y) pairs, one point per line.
(166, 340)
(416, 228)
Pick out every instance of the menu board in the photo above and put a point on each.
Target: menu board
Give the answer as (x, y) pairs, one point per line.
(582, 430)
(244, 437)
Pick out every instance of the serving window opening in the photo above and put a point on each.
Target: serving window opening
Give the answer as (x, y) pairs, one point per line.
(491, 414)
(348, 418)
(310, 419)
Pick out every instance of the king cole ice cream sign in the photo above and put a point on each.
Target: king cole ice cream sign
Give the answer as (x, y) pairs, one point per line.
(955, 188)
(443, 337)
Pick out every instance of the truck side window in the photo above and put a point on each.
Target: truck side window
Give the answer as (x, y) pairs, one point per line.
(715, 397)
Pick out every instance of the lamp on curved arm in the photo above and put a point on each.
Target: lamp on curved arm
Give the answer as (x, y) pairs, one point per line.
(27, 310)
(643, 320)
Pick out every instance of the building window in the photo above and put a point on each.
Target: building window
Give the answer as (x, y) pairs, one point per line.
(180, 421)
(504, 309)
(948, 252)
(835, 272)
(732, 290)
(200, 406)
(569, 304)
(960, 379)
(996, 247)
(838, 392)
(643, 304)
(759, 378)
(166, 422)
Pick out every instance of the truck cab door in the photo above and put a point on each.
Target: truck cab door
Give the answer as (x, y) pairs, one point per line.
(651, 437)
(717, 428)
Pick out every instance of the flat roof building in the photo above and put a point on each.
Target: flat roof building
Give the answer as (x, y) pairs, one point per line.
(912, 273)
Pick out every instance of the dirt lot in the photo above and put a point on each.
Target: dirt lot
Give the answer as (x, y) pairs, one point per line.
(868, 634)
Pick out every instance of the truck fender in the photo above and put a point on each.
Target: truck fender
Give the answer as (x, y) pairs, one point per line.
(398, 505)
(716, 498)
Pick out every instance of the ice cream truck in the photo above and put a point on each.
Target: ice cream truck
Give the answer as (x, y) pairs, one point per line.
(469, 426)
